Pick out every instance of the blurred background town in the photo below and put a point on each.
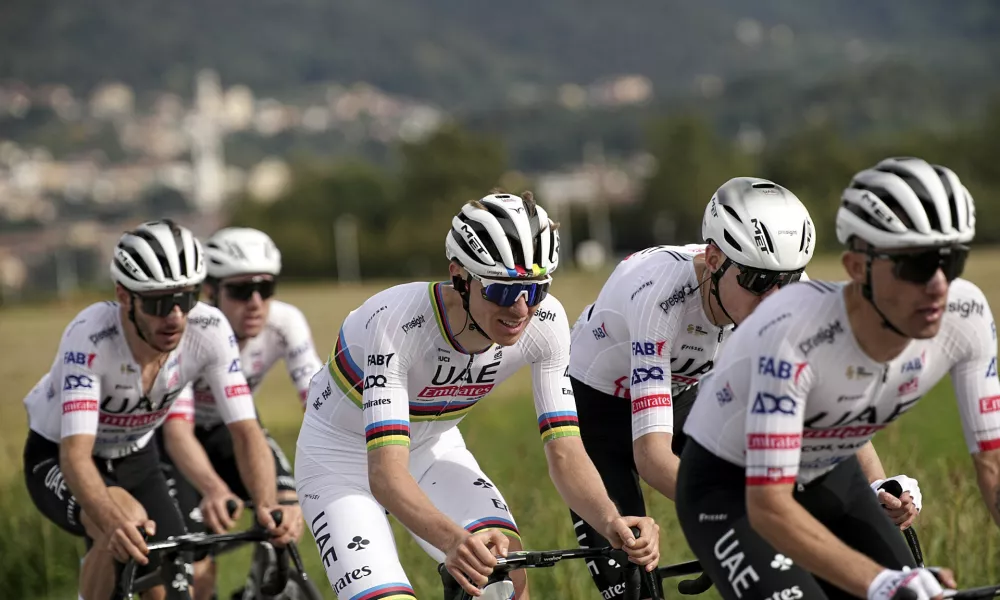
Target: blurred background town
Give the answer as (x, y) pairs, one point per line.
(352, 130)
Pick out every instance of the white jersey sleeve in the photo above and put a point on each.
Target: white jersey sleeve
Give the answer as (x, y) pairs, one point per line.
(547, 349)
(386, 343)
(301, 358)
(77, 381)
(780, 380)
(974, 375)
(653, 326)
(218, 351)
(183, 406)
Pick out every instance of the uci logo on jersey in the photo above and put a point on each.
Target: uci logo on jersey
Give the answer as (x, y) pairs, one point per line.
(779, 369)
(75, 382)
(769, 404)
(647, 348)
(640, 375)
(374, 381)
(79, 358)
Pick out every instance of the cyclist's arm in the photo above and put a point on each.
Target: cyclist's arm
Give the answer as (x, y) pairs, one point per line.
(652, 330)
(871, 466)
(79, 387)
(235, 404)
(186, 451)
(570, 468)
(977, 390)
(301, 359)
(780, 381)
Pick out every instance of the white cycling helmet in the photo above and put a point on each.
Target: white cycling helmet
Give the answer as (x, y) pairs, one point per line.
(759, 224)
(503, 236)
(905, 203)
(158, 255)
(241, 251)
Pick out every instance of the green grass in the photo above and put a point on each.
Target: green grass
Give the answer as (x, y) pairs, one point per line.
(39, 561)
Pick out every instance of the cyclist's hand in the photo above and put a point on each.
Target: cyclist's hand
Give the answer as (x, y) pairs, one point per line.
(280, 534)
(644, 551)
(901, 510)
(125, 541)
(909, 584)
(296, 522)
(215, 512)
(471, 561)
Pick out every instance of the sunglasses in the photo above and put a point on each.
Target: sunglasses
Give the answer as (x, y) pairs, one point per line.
(920, 267)
(244, 290)
(506, 293)
(759, 281)
(162, 305)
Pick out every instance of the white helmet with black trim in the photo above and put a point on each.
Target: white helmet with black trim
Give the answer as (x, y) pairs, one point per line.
(158, 255)
(906, 203)
(503, 236)
(760, 224)
(241, 251)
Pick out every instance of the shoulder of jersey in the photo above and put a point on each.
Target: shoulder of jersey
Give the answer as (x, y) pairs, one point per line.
(965, 300)
(406, 303)
(794, 310)
(205, 320)
(548, 311)
(98, 321)
(282, 316)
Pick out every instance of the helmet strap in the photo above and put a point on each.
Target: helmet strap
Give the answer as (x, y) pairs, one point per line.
(131, 317)
(714, 290)
(867, 293)
(464, 289)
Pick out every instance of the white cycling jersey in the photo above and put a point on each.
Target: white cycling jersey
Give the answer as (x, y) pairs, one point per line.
(285, 336)
(398, 376)
(647, 335)
(792, 393)
(95, 385)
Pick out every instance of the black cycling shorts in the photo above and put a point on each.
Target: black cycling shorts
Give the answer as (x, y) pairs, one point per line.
(218, 444)
(138, 474)
(606, 431)
(711, 508)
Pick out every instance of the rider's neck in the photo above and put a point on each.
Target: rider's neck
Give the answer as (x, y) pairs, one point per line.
(880, 343)
(459, 322)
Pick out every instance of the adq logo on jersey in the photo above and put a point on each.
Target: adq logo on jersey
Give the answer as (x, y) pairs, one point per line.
(641, 374)
(769, 404)
(375, 381)
(76, 382)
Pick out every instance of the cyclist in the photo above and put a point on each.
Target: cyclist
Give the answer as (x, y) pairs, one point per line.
(380, 429)
(655, 329)
(769, 495)
(88, 461)
(242, 265)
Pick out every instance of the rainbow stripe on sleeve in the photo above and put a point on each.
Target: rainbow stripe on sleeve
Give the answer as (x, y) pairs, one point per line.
(554, 425)
(387, 433)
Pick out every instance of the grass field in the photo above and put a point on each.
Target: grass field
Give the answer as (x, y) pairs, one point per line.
(39, 561)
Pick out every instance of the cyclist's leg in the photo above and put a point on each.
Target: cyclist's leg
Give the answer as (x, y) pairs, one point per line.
(349, 527)
(711, 508)
(606, 431)
(453, 480)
